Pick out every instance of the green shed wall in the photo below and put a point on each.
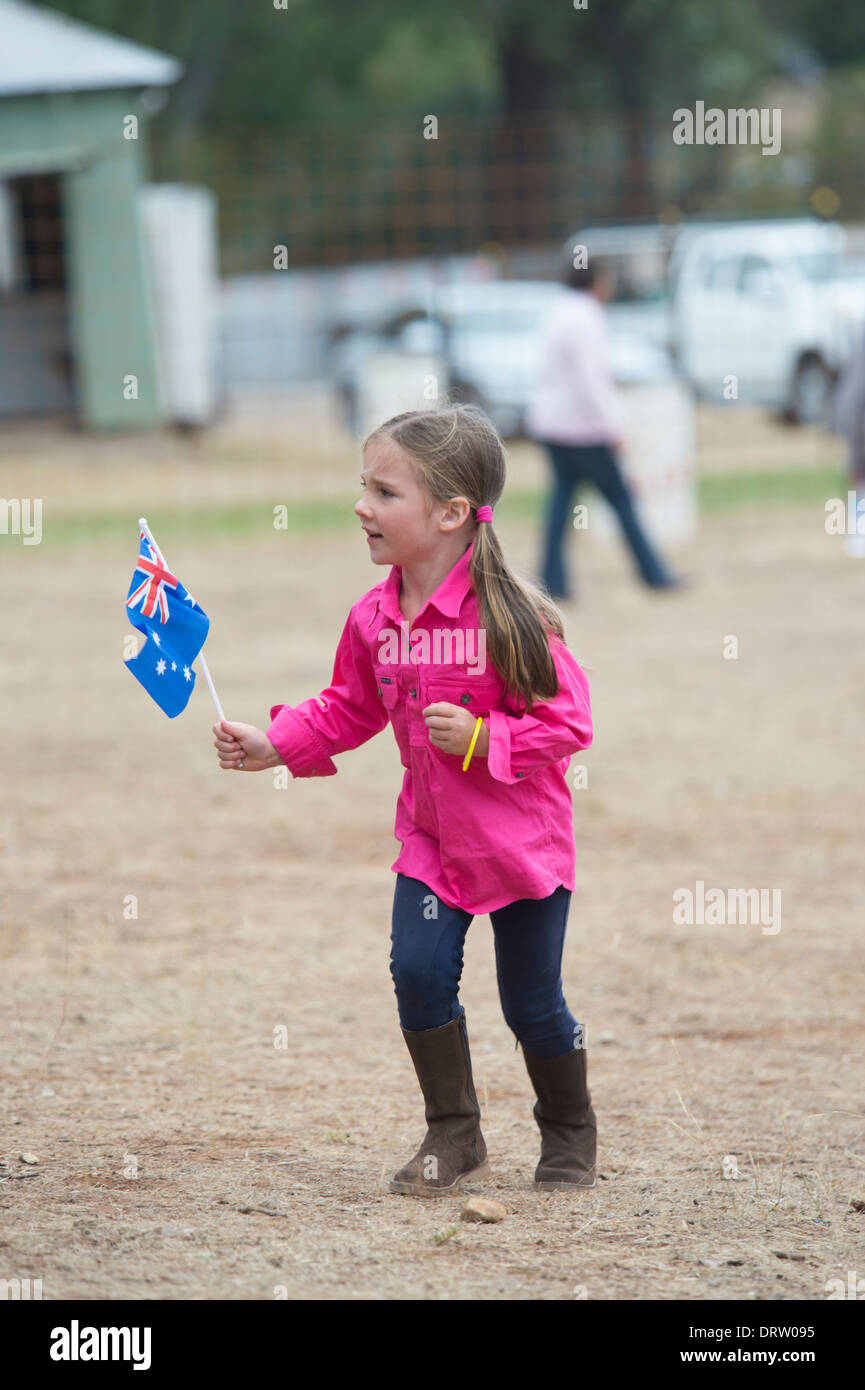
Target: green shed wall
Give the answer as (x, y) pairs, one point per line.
(82, 135)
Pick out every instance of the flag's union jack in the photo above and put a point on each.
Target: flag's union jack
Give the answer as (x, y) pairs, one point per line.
(150, 593)
(175, 634)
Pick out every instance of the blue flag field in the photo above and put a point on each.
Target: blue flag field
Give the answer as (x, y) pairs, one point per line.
(175, 627)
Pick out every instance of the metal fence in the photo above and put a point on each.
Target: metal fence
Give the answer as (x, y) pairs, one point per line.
(334, 196)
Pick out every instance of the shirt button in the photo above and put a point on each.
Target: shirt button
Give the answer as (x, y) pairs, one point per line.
(465, 699)
(380, 694)
(414, 693)
(519, 774)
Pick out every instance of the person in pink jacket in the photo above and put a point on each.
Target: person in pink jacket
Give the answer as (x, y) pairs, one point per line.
(468, 664)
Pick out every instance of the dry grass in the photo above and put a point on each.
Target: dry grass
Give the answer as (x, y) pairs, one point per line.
(147, 1045)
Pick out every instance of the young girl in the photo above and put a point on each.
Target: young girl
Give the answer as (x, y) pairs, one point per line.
(469, 665)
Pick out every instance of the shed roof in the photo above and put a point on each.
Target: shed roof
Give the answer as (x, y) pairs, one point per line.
(42, 51)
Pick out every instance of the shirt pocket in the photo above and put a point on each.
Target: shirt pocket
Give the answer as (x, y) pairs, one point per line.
(478, 695)
(388, 688)
(477, 815)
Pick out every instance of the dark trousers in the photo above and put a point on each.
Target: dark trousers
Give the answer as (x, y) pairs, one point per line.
(574, 464)
(427, 940)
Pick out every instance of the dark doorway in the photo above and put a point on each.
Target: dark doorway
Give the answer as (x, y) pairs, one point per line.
(36, 365)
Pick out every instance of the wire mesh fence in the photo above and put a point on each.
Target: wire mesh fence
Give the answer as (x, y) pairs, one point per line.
(334, 196)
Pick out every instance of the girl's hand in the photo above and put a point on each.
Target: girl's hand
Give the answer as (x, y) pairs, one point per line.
(243, 747)
(451, 728)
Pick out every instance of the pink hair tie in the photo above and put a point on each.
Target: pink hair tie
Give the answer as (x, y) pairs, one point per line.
(485, 513)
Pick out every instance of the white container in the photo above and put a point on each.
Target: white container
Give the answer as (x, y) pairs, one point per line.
(179, 232)
(658, 460)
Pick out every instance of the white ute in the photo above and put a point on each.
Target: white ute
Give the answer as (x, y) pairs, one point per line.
(763, 313)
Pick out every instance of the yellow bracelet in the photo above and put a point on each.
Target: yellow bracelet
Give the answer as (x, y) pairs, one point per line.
(468, 756)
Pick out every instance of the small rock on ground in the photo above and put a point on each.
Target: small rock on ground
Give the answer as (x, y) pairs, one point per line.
(482, 1209)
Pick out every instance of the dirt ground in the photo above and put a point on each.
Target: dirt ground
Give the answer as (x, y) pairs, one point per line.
(181, 1154)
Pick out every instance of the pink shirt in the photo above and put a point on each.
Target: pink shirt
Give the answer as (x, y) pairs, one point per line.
(574, 398)
(479, 839)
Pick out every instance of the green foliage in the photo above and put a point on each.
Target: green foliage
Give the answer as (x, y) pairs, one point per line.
(442, 1237)
(335, 62)
(833, 33)
(837, 144)
(716, 492)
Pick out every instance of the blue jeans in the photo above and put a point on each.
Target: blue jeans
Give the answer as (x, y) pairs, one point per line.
(593, 463)
(427, 960)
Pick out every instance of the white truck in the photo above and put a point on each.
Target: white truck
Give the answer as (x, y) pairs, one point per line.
(763, 312)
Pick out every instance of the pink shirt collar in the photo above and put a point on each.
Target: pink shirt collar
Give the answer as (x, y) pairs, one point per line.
(448, 598)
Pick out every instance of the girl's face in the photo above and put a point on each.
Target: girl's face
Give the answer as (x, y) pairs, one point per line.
(401, 527)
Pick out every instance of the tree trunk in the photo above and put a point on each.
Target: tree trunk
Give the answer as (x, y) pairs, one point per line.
(521, 150)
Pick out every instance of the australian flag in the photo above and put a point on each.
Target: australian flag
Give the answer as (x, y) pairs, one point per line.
(175, 627)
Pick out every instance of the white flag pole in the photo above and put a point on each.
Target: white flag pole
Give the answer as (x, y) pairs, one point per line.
(219, 710)
(142, 524)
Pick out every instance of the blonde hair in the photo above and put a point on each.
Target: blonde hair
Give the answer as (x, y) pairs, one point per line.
(456, 452)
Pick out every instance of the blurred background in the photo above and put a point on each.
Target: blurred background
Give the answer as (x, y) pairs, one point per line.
(232, 238)
(279, 222)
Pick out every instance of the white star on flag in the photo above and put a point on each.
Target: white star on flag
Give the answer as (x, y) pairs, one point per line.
(174, 665)
(160, 667)
(187, 673)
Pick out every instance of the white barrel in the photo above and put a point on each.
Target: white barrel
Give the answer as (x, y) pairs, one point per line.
(391, 382)
(179, 233)
(658, 460)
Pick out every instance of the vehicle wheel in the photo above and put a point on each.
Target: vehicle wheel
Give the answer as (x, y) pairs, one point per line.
(505, 420)
(810, 392)
(346, 407)
(464, 393)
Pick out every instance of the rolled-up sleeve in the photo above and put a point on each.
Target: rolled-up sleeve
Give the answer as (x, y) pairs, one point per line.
(523, 744)
(345, 715)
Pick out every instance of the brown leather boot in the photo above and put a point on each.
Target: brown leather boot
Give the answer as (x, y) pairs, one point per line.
(454, 1147)
(565, 1117)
